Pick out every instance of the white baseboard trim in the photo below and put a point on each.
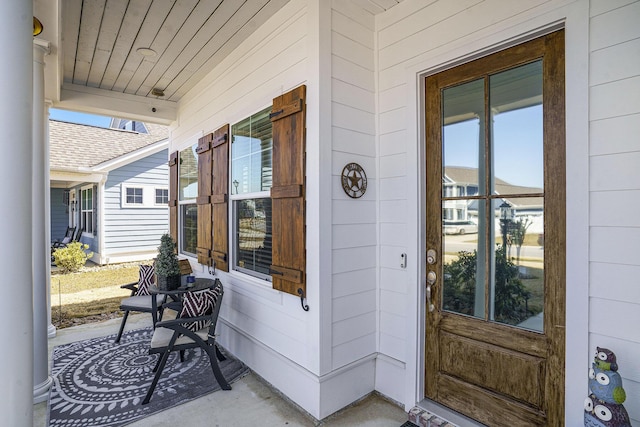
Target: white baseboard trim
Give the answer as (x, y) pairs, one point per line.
(391, 378)
(320, 396)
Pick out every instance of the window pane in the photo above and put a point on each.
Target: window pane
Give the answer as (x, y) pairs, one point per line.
(134, 195)
(253, 235)
(463, 243)
(162, 196)
(189, 232)
(251, 153)
(516, 128)
(517, 281)
(463, 139)
(188, 174)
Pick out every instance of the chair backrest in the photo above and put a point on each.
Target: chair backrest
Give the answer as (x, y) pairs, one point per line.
(78, 234)
(68, 235)
(69, 232)
(219, 289)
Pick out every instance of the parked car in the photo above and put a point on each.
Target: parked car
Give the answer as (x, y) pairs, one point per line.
(459, 227)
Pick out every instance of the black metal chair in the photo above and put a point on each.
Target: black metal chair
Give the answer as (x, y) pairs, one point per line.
(179, 335)
(78, 234)
(140, 299)
(68, 238)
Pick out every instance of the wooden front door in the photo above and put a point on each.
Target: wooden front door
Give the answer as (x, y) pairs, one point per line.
(495, 179)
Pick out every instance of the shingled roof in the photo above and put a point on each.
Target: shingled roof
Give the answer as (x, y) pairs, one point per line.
(74, 146)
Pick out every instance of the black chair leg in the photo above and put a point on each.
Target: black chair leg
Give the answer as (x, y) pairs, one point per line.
(161, 362)
(219, 353)
(181, 356)
(124, 320)
(216, 370)
(155, 368)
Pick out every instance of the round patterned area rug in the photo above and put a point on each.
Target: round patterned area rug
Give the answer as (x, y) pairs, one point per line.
(98, 382)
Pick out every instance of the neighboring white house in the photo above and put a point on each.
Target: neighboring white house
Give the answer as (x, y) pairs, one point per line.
(277, 99)
(112, 184)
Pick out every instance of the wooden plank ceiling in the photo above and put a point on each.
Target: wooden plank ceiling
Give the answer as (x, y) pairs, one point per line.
(103, 38)
(105, 41)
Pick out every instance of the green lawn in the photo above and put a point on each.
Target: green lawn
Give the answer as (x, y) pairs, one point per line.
(90, 295)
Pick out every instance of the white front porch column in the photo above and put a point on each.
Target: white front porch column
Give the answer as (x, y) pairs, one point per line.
(51, 330)
(41, 241)
(16, 109)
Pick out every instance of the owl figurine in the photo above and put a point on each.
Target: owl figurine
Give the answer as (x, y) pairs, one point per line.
(606, 359)
(606, 385)
(603, 414)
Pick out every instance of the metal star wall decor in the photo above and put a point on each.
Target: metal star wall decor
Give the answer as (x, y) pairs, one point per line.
(354, 180)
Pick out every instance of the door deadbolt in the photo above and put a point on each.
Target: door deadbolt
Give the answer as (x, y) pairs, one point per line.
(431, 256)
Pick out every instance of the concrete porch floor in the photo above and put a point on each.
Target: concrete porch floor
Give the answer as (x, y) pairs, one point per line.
(251, 402)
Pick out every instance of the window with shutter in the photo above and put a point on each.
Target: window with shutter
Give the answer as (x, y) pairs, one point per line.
(288, 192)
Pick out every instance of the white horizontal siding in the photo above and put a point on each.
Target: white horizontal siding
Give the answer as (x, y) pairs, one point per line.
(354, 235)
(352, 282)
(614, 111)
(615, 135)
(134, 230)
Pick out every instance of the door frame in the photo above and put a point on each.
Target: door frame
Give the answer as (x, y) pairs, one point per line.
(575, 20)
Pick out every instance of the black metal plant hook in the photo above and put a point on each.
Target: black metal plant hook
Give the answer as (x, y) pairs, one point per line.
(305, 307)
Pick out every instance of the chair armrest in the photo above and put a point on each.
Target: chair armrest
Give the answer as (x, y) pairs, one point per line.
(133, 287)
(174, 323)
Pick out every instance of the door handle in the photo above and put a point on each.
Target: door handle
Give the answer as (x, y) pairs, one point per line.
(431, 280)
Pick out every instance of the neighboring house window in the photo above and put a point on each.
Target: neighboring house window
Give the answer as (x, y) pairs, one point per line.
(134, 196)
(162, 196)
(251, 179)
(144, 196)
(187, 193)
(86, 209)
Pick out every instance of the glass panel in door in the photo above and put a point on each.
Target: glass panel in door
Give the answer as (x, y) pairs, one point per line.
(492, 240)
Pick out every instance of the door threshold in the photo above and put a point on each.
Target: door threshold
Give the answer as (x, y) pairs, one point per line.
(429, 413)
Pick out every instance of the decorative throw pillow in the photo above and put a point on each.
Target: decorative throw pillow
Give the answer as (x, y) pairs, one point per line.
(198, 303)
(145, 280)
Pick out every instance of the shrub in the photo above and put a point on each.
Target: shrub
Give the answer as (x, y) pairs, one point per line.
(510, 294)
(72, 257)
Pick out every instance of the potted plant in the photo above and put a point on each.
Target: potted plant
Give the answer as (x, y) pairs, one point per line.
(166, 265)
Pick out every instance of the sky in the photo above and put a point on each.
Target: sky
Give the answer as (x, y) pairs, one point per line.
(82, 118)
(517, 139)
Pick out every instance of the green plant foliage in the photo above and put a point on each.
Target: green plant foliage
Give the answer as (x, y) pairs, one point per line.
(167, 262)
(72, 257)
(510, 294)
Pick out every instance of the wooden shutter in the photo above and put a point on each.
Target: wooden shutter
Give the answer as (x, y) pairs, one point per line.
(173, 195)
(288, 192)
(212, 201)
(219, 198)
(203, 201)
